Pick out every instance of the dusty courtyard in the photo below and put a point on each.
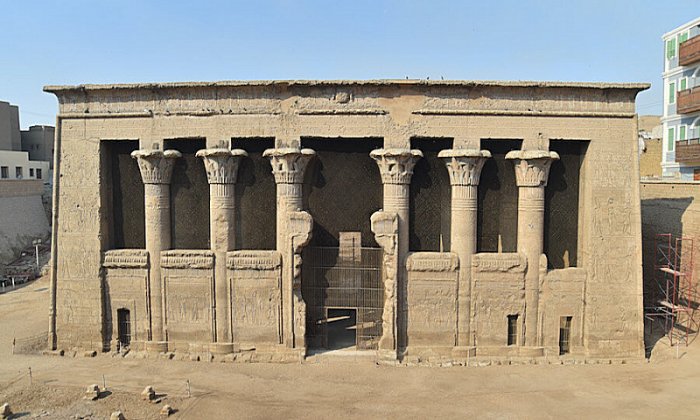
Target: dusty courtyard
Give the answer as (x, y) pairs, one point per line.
(332, 387)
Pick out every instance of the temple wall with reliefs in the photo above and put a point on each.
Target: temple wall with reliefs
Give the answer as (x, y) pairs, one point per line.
(450, 277)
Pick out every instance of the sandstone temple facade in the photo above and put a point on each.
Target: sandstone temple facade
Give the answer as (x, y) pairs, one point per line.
(420, 219)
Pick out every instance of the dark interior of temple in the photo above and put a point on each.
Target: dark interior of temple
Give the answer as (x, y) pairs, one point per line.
(342, 188)
(189, 196)
(497, 217)
(124, 188)
(429, 199)
(255, 196)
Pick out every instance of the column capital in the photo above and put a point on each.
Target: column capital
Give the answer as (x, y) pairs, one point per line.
(156, 166)
(289, 164)
(532, 166)
(396, 165)
(464, 165)
(221, 164)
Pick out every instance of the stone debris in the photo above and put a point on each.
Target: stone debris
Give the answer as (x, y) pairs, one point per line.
(166, 411)
(117, 415)
(148, 394)
(5, 411)
(92, 392)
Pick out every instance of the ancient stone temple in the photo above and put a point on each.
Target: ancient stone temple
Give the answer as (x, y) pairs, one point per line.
(415, 219)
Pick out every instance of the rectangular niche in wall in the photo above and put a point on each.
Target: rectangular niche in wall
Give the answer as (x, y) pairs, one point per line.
(429, 199)
(561, 204)
(189, 196)
(497, 217)
(256, 217)
(122, 195)
(342, 188)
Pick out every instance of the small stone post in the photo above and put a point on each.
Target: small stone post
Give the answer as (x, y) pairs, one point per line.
(396, 169)
(156, 168)
(464, 167)
(222, 170)
(531, 173)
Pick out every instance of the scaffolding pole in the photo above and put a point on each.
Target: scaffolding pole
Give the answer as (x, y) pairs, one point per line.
(674, 297)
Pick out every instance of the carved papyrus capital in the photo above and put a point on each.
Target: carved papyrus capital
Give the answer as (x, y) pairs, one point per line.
(222, 164)
(464, 165)
(396, 165)
(156, 166)
(289, 164)
(532, 166)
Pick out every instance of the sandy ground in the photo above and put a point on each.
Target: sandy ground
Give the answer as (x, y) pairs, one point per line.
(334, 387)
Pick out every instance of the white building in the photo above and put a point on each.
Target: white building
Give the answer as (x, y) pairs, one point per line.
(681, 113)
(16, 165)
(16, 147)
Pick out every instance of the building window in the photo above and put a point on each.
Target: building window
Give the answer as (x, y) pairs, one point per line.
(683, 84)
(672, 93)
(670, 48)
(671, 139)
(682, 38)
(682, 132)
(38, 173)
(31, 172)
(512, 330)
(564, 334)
(4, 172)
(19, 172)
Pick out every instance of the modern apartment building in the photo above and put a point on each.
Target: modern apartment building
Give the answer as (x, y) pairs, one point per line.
(24, 154)
(681, 113)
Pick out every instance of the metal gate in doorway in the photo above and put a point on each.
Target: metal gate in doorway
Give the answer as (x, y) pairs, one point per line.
(342, 287)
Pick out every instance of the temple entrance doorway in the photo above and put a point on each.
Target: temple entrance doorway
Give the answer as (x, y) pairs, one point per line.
(342, 265)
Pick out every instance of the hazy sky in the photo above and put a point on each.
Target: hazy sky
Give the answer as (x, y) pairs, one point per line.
(92, 41)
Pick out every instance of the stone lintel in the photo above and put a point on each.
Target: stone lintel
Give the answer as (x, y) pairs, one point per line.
(125, 258)
(432, 261)
(253, 260)
(186, 259)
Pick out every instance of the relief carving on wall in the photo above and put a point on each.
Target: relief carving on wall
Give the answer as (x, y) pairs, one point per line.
(385, 227)
(300, 226)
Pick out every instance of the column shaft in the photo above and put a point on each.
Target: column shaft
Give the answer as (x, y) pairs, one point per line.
(530, 243)
(464, 167)
(531, 173)
(222, 237)
(221, 165)
(463, 243)
(157, 212)
(156, 169)
(396, 169)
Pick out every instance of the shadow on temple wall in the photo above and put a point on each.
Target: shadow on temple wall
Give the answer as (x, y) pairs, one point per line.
(659, 216)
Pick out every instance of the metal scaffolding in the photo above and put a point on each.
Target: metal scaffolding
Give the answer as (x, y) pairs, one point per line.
(674, 299)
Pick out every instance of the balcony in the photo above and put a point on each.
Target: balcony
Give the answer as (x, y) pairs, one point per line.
(688, 100)
(688, 151)
(689, 51)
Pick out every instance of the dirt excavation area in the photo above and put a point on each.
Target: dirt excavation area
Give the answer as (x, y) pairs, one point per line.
(329, 387)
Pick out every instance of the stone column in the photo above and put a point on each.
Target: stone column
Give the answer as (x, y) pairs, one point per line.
(222, 170)
(293, 232)
(396, 168)
(464, 167)
(531, 173)
(156, 168)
